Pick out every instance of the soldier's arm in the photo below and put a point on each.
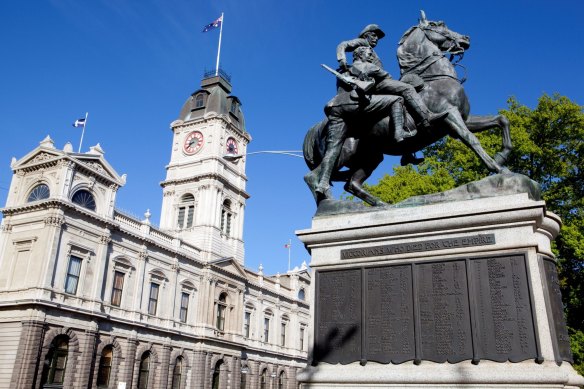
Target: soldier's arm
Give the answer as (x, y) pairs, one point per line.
(349, 46)
(375, 72)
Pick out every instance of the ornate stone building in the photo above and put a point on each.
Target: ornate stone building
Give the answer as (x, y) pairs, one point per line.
(91, 297)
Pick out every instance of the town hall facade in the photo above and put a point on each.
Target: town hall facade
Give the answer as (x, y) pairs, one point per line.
(93, 298)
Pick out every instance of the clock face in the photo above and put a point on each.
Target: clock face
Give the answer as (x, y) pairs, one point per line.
(193, 142)
(231, 146)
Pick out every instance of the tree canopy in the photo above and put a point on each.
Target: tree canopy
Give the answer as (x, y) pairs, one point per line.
(548, 146)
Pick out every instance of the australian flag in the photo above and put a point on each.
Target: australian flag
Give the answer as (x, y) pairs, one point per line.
(214, 24)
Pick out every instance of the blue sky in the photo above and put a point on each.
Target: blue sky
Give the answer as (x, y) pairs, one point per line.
(133, 63)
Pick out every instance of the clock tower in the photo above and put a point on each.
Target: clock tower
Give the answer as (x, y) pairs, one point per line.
(204, 193)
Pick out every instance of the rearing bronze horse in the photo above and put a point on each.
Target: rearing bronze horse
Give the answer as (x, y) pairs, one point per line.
(421, 56)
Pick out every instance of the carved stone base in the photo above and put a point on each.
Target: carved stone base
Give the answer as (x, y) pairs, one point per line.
(450, 294)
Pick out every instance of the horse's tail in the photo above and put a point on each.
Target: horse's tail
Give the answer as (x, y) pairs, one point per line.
(312, 147)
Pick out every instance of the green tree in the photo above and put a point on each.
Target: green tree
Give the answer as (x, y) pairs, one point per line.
(548, 146)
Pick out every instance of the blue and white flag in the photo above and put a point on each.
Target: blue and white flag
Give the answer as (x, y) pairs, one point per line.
(213, 25)
(79, 123)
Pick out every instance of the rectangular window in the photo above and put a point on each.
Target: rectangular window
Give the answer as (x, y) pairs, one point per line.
(153, 300)
(184, 307)
(266, 329)
(220, 317)
(301, 338)
(228, 227)
(283, 334)
(181, 217)
(73, 271)
(190, 214)
(246, 323)
(117, 288)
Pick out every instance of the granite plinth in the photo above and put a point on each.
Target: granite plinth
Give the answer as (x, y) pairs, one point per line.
(449, 294)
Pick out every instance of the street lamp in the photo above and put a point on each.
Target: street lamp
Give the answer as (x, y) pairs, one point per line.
(292, 153)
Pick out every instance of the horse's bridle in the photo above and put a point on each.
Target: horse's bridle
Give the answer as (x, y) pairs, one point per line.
(458, 51)
(454, 49)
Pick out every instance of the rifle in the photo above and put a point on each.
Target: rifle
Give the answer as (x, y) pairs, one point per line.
(361, 87)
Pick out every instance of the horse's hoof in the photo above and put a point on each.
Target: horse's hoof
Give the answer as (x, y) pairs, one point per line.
(379, 203)
(500, 158)
(505, 170)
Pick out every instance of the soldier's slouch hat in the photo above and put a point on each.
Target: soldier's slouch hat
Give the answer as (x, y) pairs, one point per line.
(372, 28)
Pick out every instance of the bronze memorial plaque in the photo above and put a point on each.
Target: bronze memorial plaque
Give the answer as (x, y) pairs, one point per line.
(444, 311)
(504, 315)
(557, 320)
(338, 316)
(389, 314)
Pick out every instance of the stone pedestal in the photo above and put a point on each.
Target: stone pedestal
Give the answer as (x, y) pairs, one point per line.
(457, 294)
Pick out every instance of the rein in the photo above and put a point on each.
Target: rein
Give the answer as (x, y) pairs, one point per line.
(421, 66)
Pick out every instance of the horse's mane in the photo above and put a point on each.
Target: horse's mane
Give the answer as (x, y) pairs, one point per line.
(407, 34)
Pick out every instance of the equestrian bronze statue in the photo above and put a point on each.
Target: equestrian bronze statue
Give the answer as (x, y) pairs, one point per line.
(438, 106)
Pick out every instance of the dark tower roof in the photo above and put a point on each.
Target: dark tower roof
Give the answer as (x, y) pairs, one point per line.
(214, 99)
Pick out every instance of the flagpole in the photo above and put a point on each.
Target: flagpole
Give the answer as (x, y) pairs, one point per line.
(289, 248)
(219, 49)
(83, 131)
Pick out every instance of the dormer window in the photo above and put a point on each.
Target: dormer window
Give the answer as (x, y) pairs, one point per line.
(199, 101)
(84, 198)
(233, 108)
(39, 192)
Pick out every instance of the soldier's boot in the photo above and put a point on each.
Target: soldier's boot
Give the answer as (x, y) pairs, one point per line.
(424, 116)
(397, 118)
(334, 143)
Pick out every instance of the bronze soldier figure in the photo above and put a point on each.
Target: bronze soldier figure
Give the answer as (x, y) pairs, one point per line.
(349, 103)
(416, 106)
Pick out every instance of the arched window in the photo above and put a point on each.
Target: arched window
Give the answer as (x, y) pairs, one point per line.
(226, 216)
(144, 371)
(105, 367)
(221, 308)
(177, 373)
(216, 375)
(39, 192)
(264, 379)
(84, 198)
(186, 211)
(282, 380)
(56, 362)
(301, 294)
(199, 100)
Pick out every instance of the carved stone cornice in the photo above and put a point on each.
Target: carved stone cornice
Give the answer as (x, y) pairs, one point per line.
(207, 176)
(55, 221)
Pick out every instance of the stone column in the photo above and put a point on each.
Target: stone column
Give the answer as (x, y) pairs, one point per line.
(54, 224)
(85, 362)
(211, 302)
(198, 369)
(101, 255)
(235, 372)
(207, 371)
(164, 365)
(254, 374)
(291, 375)
(127, 371)
(27, 367)
(138, 307)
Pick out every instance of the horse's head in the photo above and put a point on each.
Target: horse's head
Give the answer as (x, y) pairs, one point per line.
(445, 39)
